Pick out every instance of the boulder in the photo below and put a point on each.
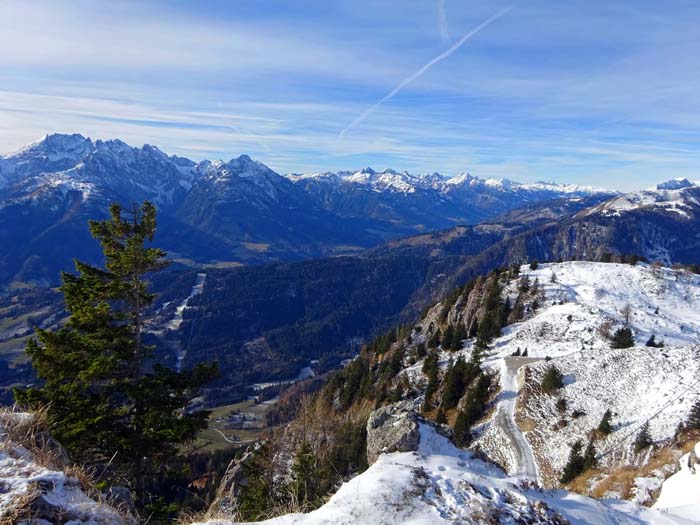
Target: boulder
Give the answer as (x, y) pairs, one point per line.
(393, 428)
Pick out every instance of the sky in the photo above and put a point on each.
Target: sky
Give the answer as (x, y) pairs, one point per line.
(583, 91)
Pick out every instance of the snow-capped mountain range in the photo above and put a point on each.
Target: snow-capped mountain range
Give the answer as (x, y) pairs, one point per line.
(241, 211)
(405, 182)
(235, 211)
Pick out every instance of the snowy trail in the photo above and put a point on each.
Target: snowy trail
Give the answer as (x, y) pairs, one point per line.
(173, 342)
(524, 461)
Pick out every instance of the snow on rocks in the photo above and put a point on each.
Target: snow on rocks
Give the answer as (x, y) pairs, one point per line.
(441, 484)
(33, 493)
(680, 494)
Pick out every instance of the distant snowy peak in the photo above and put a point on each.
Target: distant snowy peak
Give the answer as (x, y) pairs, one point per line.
(679, 196)
(675, 184)
(404, 182)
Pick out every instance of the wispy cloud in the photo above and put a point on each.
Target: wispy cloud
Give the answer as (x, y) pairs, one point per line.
(442, 56)
(581, 91)
(443, 26)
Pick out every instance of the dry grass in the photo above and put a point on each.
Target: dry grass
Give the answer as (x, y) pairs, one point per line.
(31, 431)
(525, 424)
(619, 482)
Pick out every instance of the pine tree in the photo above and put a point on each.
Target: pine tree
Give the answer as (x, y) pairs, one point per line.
(574, 465)
(305, 475)
(552, 380)
(461, 430)
(454, 384)
(643, 439)
(447, 337)
(693, 421)
(440, 417)
(434, 340)
(622, 338)
(589, 456)
(605, 426)
(460, 334)
(430, 369)
(107, 400)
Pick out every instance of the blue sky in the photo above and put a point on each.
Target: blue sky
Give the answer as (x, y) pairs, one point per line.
(594, 92)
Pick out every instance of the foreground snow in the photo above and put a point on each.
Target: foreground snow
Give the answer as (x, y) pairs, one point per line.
(442, 484)
(680, 494)
(24, 481)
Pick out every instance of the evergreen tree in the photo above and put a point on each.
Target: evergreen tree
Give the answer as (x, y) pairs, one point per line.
(434, 340)
(107, 401)
(589, 456)
(462, 430)
(454, 384)
(693, 421)
(305, 475)
(575, 464)
(622, 338)
(534, 264)
(643, 439)
(448, 337)
(430, 369)
(440, 417)
(552, 380)
(460, 334)
(605, 426)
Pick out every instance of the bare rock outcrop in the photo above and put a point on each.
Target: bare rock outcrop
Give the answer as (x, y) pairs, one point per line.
(392, 428)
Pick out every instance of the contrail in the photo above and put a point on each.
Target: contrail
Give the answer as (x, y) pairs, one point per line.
(422, 70)
(442, 20)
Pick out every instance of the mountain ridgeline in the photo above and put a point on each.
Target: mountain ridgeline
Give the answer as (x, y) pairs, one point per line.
(224, 212)
(267, 321)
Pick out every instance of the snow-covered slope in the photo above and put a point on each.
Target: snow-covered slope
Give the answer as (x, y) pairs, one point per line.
(580, 296)
(441, 484)
(678, 196)
(680, 494)
(580, 302)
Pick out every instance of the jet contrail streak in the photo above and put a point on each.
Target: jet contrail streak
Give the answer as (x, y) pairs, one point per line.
(422, 70)
(442, 20)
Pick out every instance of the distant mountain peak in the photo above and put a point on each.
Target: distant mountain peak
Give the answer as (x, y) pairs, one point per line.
(675, 184)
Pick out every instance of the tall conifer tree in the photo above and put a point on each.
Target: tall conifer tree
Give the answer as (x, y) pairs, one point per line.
(108, 402)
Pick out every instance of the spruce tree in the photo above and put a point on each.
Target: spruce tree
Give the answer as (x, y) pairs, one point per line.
(305, 475)
(574, 465)
(108, 402)
(693, 421)
(552, 380)
(643, 439)
(605, 426)
(589, 456)
(622, 338)
(460, 334)
(454, 384)
(462, 430)
(448, 337)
